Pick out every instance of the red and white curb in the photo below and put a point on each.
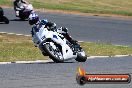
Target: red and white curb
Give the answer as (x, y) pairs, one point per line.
(47, 61)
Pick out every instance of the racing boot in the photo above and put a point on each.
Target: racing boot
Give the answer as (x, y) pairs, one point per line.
(17, 13)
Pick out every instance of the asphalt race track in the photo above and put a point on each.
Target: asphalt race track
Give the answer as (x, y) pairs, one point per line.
(63, 75)
(83, 28)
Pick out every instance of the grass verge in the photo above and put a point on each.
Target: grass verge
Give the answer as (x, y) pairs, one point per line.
(19, 48)
(119, 7)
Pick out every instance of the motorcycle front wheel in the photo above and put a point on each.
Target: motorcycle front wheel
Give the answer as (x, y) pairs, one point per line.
(54, 52)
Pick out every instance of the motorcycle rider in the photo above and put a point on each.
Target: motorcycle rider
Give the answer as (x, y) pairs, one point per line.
(37, 23)
(17, 6)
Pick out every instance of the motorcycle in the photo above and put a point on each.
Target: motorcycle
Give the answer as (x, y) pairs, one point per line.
(2, 17)
(57, 47)
(25, 11)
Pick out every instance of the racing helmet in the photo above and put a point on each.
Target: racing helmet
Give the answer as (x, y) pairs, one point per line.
(33, 18)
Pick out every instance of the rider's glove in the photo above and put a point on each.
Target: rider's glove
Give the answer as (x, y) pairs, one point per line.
(51, 26)
(44, 22)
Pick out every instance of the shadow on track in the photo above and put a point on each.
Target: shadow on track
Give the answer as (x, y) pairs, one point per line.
(58, 63)
(44, 63)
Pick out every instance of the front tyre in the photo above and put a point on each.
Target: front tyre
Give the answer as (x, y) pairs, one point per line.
(54, 52)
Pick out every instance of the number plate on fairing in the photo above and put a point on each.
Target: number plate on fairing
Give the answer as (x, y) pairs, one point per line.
(43, 37)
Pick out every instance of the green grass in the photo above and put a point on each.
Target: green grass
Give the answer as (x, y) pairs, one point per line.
(19, 48)
(119, 7)
(101, 49)
(6, 2)
(14, 48)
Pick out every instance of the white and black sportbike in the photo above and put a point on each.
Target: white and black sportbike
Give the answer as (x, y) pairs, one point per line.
(57, 47)
(24, 11)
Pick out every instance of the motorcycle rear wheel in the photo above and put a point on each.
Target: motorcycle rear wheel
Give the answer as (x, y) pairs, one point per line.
(1, 12)
(81, 57)
(6, 20)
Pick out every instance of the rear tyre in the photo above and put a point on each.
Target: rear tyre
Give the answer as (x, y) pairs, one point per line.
(1, 12)
(81, 58)
(54, 54)
(6, 20)
(22, 16)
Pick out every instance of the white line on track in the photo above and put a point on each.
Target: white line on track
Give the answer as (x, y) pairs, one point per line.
(47, 61)
(15, 34)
